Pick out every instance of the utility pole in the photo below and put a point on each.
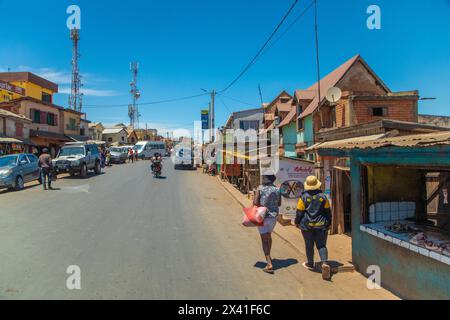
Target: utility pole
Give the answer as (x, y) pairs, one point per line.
(213, 97)
(211, 114)
(75, 98)
(317, 62)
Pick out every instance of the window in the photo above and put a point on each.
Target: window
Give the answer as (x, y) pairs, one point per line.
(284, 100)
(379, 111)
(51, 121)
(299, 120)
(109, 139)
(23, 158)
(333, 117)
(123, 138)
(32, 158)
(72, 125)
(36, 116)
(249, 124)
(46, 97)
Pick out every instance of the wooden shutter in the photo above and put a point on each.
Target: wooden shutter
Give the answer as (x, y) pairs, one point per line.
(43, 118)
(19, 130)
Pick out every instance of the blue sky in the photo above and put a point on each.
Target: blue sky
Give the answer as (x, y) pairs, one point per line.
(183, 46)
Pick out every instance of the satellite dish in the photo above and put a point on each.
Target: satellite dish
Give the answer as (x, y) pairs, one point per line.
(334, 94)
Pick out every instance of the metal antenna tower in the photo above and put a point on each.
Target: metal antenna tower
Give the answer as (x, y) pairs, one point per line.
(133, 111)
(76, 97)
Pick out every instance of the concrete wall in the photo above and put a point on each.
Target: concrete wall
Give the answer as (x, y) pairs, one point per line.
(25, 109)
(11, 128)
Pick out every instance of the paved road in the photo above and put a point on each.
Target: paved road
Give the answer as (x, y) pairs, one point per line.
(136, 237)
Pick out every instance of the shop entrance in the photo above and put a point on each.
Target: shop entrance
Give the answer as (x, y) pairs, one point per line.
(341, 201)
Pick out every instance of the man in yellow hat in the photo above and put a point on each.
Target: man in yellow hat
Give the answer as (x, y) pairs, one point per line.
(314, 218)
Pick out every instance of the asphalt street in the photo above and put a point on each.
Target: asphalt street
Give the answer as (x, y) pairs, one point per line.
(137, 237)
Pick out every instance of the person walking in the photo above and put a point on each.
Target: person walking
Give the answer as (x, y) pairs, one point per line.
(268, 195)
(313, 217)
(46, 165)
(130, 156)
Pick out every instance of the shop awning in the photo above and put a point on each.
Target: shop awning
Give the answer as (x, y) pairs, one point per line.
(49, 135)
(77, 137)
(4, 139)
(344, 142)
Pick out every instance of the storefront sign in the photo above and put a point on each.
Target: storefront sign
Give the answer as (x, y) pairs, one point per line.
(290, 178)
(11, 88)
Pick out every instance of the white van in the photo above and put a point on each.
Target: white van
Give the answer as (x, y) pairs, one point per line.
(183, 157)
(147, 149)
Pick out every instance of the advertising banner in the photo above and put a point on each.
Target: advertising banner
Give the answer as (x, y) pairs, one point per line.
(291, 176)
(205, 119)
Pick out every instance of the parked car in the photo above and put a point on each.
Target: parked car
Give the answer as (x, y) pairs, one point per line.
(78, 158)
(17, 169)
(118, 154)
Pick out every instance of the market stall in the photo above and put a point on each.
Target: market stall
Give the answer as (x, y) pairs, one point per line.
(401, 213)
(10, 146)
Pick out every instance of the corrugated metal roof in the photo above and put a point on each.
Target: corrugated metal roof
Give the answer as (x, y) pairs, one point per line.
(337, 144)
(417, 140)
(112, 130)
(9, 114)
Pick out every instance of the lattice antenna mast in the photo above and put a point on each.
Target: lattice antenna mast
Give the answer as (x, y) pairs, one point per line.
(76, 97)
(133, 111)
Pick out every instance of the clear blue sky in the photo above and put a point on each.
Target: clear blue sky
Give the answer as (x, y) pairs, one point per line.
(183, 46)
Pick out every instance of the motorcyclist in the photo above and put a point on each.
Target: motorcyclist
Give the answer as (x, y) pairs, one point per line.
(156, 162)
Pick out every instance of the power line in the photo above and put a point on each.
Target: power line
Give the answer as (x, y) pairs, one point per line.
(237, 100)
(262, 48)
(309, 6)
(147, 103)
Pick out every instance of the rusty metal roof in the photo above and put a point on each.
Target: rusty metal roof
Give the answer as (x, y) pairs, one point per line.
(417, 141)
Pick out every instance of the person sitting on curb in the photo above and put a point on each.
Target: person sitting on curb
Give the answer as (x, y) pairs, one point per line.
(314, 218)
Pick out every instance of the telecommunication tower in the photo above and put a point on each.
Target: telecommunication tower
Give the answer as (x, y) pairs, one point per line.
(76, 97)
(133, 111)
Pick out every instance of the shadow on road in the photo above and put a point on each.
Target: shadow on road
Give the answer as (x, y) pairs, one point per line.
(277, 263)
(77, 177)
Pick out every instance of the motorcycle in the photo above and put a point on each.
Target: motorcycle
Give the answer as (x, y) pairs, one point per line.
(156, 167)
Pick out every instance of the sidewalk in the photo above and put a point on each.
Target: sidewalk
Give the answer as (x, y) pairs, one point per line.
(339, 246)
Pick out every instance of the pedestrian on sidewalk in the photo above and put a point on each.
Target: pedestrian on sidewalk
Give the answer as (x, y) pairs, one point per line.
(46, 165)
(314, 218)
(268, 195)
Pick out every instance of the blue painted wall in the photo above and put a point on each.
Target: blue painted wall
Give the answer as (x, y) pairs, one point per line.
(307, 134)
(407, 274)
(290, 140)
